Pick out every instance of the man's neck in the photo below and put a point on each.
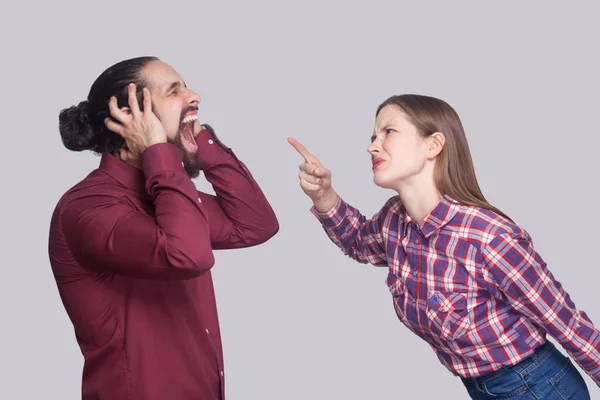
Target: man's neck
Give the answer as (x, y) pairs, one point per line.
(136, 163)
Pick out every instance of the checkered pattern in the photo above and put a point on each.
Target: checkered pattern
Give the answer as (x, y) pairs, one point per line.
(468, 282)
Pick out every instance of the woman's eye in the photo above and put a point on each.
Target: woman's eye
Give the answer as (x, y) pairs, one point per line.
(388, 131)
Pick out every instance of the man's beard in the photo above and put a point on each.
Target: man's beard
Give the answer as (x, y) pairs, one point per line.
(191, 164)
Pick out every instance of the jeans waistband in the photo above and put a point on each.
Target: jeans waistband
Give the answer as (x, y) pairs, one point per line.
(540, 354)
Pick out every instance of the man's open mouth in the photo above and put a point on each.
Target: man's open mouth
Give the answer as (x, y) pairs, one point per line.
(187, 133)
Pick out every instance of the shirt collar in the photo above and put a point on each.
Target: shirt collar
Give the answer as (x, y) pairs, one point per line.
(440, 216)
(127, 175)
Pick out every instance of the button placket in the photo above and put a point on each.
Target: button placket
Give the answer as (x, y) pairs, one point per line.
(419, 281)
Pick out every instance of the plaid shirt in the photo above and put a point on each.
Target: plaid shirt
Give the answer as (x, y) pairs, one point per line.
(468, 282)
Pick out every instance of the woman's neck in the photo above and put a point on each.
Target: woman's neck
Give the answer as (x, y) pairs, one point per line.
(419, 198)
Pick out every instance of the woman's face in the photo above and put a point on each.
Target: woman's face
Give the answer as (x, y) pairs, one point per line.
(398, 151)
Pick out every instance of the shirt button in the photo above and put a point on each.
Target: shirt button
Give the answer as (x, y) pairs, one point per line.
(210, 141)
(222, 374)
(207, 331)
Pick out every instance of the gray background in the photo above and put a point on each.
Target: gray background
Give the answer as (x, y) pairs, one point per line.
(299, 319)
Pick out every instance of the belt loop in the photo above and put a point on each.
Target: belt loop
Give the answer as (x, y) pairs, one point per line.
(540, 354)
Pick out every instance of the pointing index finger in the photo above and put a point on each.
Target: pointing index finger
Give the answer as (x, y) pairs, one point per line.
(308, 157)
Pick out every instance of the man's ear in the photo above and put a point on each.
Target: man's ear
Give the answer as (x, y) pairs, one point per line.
(123, 152)
(437, 141)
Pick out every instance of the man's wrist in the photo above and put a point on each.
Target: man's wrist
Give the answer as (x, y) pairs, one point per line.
(211, 151)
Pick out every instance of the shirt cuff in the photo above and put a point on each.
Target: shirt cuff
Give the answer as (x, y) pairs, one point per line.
(161, 157)
(211, 150)
(334, 216)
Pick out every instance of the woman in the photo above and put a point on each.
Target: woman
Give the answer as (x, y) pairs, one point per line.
(463, 276)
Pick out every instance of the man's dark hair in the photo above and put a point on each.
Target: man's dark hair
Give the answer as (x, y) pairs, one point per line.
(82, 126)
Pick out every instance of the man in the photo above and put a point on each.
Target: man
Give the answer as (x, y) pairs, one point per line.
(131, 246)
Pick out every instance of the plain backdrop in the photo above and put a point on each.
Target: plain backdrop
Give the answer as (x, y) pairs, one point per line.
(299, 319)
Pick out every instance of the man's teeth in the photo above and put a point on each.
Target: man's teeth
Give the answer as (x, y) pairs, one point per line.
(189, 119)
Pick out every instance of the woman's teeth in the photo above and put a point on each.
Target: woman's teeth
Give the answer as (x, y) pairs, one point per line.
(189, 119)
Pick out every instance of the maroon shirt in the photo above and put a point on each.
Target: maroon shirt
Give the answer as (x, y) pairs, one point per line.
(131, 251)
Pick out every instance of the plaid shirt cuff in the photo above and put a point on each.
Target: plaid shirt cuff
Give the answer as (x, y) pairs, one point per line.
(334, 216)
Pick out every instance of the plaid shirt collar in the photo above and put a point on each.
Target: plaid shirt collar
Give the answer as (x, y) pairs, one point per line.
(440, 216)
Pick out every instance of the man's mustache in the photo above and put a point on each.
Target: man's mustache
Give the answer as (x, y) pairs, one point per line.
(187, 110)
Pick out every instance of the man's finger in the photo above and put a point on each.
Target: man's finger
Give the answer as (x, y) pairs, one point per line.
(113, 126)
(115, 112)
(133, 103)
(147, 100)
(303, 152)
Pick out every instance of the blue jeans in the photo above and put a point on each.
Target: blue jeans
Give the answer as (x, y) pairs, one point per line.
(545, 375)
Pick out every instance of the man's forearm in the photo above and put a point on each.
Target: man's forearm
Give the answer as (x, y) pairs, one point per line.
(243, 203)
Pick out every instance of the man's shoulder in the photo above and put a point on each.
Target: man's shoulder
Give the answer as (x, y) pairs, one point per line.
(96, 184)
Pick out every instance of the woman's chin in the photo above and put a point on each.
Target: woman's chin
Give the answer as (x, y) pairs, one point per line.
(381, 181)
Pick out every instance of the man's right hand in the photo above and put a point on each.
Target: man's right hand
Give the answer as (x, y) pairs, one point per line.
(139, 129)
(315, 180)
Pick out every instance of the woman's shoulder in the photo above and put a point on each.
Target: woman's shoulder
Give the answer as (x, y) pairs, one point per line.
(485, 224)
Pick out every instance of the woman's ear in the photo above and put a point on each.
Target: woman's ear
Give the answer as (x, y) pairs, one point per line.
(437, 141)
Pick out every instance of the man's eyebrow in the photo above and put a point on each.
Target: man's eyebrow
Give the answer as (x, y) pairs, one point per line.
(175, 85)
